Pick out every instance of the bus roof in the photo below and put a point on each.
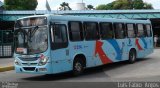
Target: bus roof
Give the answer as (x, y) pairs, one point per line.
(83, 18)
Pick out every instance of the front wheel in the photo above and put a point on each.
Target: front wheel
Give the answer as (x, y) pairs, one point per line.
(78, 67)
(132, 56)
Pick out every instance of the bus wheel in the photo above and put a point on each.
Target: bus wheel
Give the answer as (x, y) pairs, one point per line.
(132, 56)
(78, 67)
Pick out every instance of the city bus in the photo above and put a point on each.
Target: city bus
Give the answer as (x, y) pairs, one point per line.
(51, 44)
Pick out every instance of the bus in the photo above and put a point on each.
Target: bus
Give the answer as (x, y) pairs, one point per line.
(51, 44)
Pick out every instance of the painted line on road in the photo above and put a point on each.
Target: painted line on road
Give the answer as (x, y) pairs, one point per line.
(8, 68)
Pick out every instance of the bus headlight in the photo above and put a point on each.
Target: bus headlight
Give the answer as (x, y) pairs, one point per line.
(43, 60)
(16, 62)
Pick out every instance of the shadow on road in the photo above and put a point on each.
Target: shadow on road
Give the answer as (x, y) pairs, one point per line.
(90, 72)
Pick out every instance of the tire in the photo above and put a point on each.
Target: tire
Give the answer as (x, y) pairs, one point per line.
(132, 56)
(78, 66)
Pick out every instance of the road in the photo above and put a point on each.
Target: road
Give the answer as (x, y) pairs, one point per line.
(147, 69)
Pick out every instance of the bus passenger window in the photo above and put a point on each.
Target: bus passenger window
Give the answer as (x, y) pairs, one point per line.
(131, 31)
(141, 32)
(119, 31)
(106, 30)
(91, 31)
(148, 29)
(75, 31)
(59, 33)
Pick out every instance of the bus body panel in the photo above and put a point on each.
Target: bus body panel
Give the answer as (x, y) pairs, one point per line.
(145, 47)
(60, 61)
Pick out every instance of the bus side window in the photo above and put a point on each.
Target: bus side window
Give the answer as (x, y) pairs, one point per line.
(106, 30)
(148, 29)
(119, 30)
(75, 31)
(59, 35)
(141, 30)
(131, 31)
(91, 30)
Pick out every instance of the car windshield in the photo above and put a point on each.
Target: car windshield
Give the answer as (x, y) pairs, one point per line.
(31, 40)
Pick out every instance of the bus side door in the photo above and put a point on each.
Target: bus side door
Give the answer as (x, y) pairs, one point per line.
(59, 45)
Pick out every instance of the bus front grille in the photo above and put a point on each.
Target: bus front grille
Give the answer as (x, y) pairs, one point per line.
(29, 64)
(29, 68)
(29, 59)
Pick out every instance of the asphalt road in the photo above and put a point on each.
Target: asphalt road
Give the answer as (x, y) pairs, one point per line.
(147, 69)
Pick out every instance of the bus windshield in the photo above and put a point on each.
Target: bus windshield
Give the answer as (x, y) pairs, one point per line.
(31, 40)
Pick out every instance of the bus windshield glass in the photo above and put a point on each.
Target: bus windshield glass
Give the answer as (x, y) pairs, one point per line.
(34, 21)
(31, 39)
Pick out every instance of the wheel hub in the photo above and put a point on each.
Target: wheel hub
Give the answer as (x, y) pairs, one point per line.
(78, 67)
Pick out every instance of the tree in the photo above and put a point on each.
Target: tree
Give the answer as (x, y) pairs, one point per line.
(90, 7)
(147, 6)
(139, 4)
(125, 4)
(20, 4)
(121, 4)
(101, 7)
(64, 6)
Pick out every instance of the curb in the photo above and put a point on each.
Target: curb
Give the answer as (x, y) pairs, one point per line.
(8, 68)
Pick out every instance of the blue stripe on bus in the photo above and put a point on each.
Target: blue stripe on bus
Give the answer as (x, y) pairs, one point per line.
(115, 45)
(144, 42)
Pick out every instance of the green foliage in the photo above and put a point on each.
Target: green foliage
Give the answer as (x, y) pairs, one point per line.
(20, 4)
(148, 6)
(101, 7)
(90, 7)
(121, 4)
(125, 4)
(64, 6)
(137, 4)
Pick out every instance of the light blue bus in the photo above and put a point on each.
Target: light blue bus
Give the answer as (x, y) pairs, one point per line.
(50, 44)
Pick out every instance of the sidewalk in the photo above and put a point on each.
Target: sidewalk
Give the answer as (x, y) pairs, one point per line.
(6, 64)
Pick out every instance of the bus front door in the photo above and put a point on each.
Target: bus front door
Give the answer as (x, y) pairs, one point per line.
(59, 45)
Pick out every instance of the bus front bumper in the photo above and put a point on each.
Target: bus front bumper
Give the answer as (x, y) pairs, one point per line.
(45, 69)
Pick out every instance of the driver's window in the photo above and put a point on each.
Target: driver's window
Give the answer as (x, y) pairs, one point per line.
(59, 36)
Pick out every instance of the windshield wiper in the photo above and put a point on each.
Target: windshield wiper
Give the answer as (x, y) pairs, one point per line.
(31, 33)
(21, 32)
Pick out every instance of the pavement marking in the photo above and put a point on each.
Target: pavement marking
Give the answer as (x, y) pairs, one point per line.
(7, 68)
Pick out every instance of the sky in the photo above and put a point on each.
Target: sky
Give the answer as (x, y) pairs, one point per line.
(54, 4)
